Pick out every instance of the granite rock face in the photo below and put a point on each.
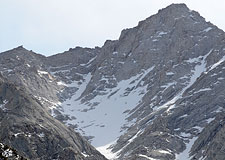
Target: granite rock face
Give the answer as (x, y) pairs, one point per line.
(26, 68)
(27, 126)
(156, 92)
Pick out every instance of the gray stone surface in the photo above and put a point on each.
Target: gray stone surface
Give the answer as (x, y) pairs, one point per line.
(27, 127)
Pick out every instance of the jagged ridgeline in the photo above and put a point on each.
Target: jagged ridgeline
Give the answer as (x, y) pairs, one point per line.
(155, 93)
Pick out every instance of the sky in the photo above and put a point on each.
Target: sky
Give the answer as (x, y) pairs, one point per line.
(53, 26)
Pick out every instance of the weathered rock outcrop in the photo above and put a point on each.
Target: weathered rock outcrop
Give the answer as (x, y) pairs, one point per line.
(27, 126)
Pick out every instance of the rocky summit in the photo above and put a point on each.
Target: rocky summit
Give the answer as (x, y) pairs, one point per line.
(155, 93)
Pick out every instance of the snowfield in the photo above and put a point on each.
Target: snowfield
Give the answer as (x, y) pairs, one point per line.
(107, 115)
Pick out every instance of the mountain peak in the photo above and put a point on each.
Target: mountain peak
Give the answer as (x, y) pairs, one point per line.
(175, 11)
(175, 7)
(178, 5)
(19, 48)
(175, 20)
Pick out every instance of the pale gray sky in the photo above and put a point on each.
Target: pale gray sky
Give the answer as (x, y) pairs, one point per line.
(53, 26)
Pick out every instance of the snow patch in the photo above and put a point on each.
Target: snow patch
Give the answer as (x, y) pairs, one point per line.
(89, 62)
(198, 128)
(2, 106)
(199, 69)
(168, 85)
(182, 16)
(185, 115)
(216, 64)
(9, 70)
(220, 109)
(42, 72)
(7, 153)
(163, 151)
(81, 87)
(210, 120)
(202, 157)
(160, 34)
(193, 60)
(107, 152)
(169, 73)
(185, 135)
(135, 136)
(203, 90)
(115, 53)
(144, 156)
(130, 141)
(185, 154)
(207, 29)
(60, 83)
(16, 135)
(84, 154)
(28, 135)
(41, 135)
(24, 134)
(221, 78)
(53, 105)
